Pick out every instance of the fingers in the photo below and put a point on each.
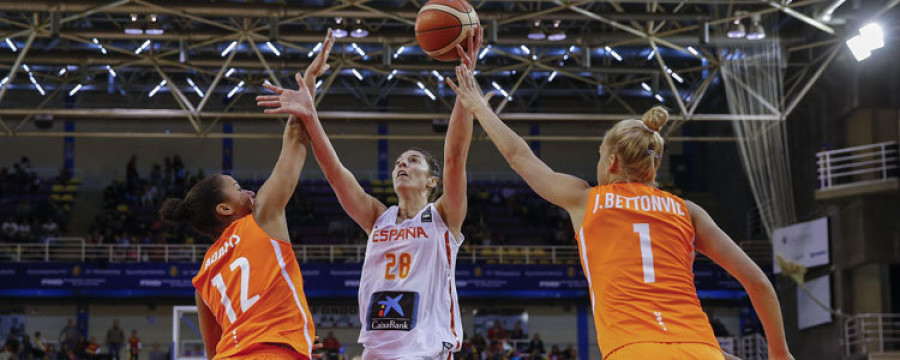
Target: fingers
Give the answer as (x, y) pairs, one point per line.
(463, 57)
(299, 77)
(267, 98)
(489, 95)
(452, 85)
(276, 111)
(479, 36)
(274, 104)
(273, 88)
(471, 41)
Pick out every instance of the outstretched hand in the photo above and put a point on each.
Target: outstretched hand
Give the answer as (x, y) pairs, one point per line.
(468, 92)
(470, 57)
(319, 65)
(294, 102)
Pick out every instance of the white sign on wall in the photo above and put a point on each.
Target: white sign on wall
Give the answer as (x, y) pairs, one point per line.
(804, 243)
(809, 313)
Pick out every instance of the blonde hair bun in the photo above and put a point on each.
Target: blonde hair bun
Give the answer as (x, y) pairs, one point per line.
(655, 118)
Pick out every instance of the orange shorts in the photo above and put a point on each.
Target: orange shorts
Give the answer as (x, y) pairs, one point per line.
(269, 352)
(666, 351)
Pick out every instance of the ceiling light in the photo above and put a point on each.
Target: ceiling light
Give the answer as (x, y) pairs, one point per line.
(273, 48)
(156, 89)
(143, 47)
(358, 49)
(870, 38)
(229, 48)
(392, 74)
(236, 89)
(75, 90)
(735, 28)
(153, 26)
(756, 30)
(134, 27)
(12, 46)
(357, 74)
(358, 30)
(552, 76)
(340, 29)
(557, 33)
(316, 48)
(536, 33)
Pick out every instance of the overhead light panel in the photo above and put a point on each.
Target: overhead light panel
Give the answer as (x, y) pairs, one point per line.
(437, 75)
(319, 83)
(35, 83)
(111, 71)
(195, 87)
(400, 50)
(236, 88)
(525, 49)
(157, 88)
(870, 38)
(392, 74)
(693, 51)
(100, 46)
(735, 28)
(650, 55)
(358, 49)
(536, 33)
(645, 86)
(357, 74)
(229, 48)
(613, 53)
(315, 49)
(273, 48)
(142, 47)
(230, 72)
(484, 52)
(75, 90)
(756, 30)
(500, 89)
(12, 46)
(659, 98)
(61, 71)
(552, 76)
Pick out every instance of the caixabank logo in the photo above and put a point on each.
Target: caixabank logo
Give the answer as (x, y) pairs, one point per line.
(393, 310)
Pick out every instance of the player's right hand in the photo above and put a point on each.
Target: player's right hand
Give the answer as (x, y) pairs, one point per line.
(294, 102)
(468, 92)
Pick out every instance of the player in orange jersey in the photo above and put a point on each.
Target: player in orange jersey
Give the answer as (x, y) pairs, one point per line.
(636, 242)
(268, 317)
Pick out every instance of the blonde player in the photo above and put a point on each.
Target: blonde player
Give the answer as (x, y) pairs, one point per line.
(268, 317)
(407, 294)
(636, 242)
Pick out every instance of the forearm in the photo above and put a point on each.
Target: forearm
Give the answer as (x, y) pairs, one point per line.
(765, 302)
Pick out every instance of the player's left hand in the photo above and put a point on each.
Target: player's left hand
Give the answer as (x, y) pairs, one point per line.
(294, 102)
(468, 93)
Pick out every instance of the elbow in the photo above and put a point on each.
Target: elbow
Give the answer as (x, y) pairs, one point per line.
(758, 283)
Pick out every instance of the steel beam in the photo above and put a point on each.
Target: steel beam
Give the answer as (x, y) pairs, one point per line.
(815, 77)
(218, 78)
(15, 68)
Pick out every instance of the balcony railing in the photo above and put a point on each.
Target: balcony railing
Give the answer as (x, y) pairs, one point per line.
(857, 165)
(866, 334)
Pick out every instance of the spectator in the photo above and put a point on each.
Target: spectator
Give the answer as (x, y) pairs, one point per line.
(81, 348)
(134, 346)
(536, 344)
(115, 337)
(719, 329)
(69, 335)
(155, 352)
(131, 173)
(497, 332)
(91, 348)
(332, 347)
(7, 352)
(51, 353)
(555, 354)
(39, 349)
(478, 343)
(570, 353)
(518, 333)
(25, 347)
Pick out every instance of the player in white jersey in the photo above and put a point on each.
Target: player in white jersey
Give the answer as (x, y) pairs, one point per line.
(407, 294)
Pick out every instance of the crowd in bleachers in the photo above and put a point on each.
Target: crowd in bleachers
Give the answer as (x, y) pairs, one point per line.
(29, 210)
(72, 344)
(512, 344)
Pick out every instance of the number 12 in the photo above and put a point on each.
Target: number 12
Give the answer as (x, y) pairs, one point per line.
(643, 231)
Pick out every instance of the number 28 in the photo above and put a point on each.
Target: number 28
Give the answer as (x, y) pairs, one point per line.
(404, 263)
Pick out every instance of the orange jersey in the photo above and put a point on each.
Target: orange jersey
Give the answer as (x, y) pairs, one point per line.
(637, 249)
(252, 284)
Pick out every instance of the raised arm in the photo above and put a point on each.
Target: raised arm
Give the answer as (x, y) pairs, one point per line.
(453, 204)
(362, 207)
(275, 193)
(718, 246)
(563, 190)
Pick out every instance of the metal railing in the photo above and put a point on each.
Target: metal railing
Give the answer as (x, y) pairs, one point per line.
(872, 333)
(857, 165)
(75, 249)
(753, 347)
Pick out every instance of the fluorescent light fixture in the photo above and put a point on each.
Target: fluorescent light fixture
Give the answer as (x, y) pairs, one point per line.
(693, 51)
(27, 69)
(358, 50)
(430, 95)
(650, 55)
(156, 89)
(399, 51)
(236, 89)
(859, 48)
(500, 89)
(420, 85)
(484, 52)
(645, 86)
(230, 72)
(392, 74)
(552, 76)
(613, 53)
(111, 71)
(97, 42)
(61, 71)
(194, 86)
(677, 77)
(273, 48)
(566, 57)
(357, 74)
(573, 48)
(437, 75)
(659, 98)
(12, 46)
(229, 48)
(75, 90)
(4, 81)
(36, 85)
(143, 47)
(319, 83)
(525, 49)
(533, 57)
(874, 34)
(870, 38)
(736, 29)
(314, 49)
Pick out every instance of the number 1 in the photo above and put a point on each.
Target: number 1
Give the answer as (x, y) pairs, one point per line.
(246, 302)
(643, 231)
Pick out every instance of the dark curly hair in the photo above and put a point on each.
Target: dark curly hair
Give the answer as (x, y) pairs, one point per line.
(198, 208)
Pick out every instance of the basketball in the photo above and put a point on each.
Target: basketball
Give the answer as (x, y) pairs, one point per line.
(442, 24)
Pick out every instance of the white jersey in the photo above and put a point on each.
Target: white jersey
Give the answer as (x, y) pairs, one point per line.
(407, 293)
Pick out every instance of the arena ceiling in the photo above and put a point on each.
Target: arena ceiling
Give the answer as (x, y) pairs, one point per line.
(206, 60)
